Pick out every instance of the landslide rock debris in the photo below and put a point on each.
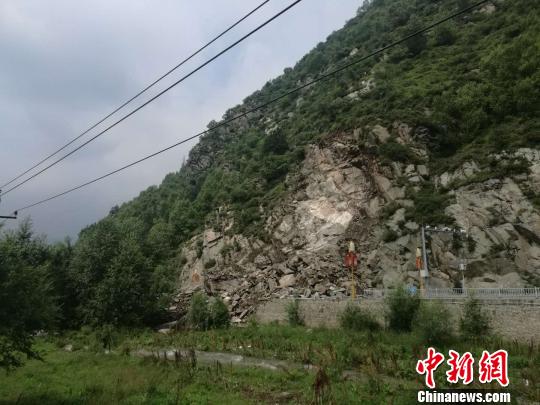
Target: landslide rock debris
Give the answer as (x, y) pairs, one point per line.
(343, 192)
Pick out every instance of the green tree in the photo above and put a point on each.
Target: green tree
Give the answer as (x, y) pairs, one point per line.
(401, 309)
(184, 219)
(417, 43)
(160, 240)
(122, 297)
(275, 143)
(112, 277)
(433, 323)
(199, 314)
(219, 314)
(27, 302)
(354, 318)
(294, 315)
(444, 35)
(475, 322)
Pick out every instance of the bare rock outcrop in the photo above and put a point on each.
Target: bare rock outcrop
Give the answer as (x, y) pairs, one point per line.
(341, 193)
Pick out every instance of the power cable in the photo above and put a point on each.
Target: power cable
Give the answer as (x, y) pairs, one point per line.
(139, 93)
(228, 121)
(154, 97)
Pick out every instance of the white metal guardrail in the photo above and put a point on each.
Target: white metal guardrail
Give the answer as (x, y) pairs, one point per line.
(456, 293)
(445, 293)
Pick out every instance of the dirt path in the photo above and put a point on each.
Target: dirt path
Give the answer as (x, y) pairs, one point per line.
(219, 357)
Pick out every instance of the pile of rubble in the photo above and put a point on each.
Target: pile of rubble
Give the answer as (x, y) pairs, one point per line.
(295, 278)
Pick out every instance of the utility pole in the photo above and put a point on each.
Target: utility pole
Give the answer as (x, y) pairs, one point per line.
(455, 231)
(419, 266)
(424, 274)
(351, 261)
(462, 268)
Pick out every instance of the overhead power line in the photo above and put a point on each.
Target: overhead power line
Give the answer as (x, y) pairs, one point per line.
(154, 97)
(261, 106)
(139, 93)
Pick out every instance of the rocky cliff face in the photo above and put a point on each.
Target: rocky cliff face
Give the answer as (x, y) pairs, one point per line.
(343, 192)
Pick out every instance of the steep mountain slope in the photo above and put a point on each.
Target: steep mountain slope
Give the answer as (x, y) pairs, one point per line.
(442, 130)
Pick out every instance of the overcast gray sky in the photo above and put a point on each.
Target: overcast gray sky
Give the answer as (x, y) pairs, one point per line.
(64, 64)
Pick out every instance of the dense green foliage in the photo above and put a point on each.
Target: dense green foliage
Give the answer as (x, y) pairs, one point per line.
(475, 322)
(294, 317)
(205, 314)
(27, 303)
(433, 322)
(354, 318)
(402, 307)
(104, 281)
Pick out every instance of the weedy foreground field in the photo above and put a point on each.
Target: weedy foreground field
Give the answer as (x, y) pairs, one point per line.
(348, 367)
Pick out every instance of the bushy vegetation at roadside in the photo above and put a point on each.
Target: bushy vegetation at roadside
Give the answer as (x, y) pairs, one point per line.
(27, 303)
(402, 306)
(205, 313)
(433, 323)
(354, 318)
(475, 323)
(294, 315)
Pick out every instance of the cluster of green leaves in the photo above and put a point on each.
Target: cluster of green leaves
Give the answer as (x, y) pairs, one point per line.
(294, 316)
(121, 275)
(429, 205)
(431, 320)
(27, 301)
(207, 313)
(392, 151)
(475, 322)
(354, 318)
(402, 307)
(106, 280)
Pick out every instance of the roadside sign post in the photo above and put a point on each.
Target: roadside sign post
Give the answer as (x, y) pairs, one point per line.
(351, 261)
(462, 268)
(419, 267)
(424, 272)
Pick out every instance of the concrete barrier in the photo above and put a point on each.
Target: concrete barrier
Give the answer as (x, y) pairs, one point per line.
(511, 319)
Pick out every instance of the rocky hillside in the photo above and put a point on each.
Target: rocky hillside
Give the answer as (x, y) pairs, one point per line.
(341, 194)
(443, 130)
